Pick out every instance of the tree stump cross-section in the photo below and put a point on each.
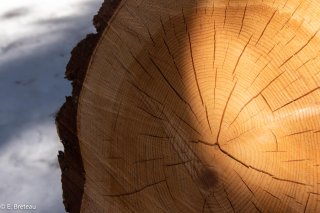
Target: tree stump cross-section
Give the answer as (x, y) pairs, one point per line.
(195, 106)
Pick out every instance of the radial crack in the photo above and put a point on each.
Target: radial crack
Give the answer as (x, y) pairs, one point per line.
(255, 96)
(242, 21)
(256, 207)
(258, 170)
(189, 125)
(238, 60)
(276, 140)
(154, 136)
(224, 188)
(148, 160)
(224, 111)
(244, 183)
(166, 80)
(266, 26)
(214, 43)
(173, 59)
(135, 191)
(194, 69)
(288, 59)
(296, 99)
(272, 195)
(231, 156)
(149, 113)
(208, 119)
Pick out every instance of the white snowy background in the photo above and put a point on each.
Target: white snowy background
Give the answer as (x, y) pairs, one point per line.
(36, 37)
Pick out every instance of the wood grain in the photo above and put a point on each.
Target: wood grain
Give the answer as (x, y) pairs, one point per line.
(202, 106)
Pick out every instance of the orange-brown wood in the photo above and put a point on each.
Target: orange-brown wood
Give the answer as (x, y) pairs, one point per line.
(202, 106)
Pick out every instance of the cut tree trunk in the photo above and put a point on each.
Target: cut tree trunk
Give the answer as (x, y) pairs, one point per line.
(195, 106)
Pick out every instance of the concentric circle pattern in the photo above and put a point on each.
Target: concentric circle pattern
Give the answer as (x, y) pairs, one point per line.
(203, 106)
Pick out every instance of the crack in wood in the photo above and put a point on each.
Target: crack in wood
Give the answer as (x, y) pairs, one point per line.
(255, 96)
(290, 40)
(227, 195)
(238, 60)
(215, 88)
(258, 170)
(265, 100)
(260, 71)
(170, 193)
(123, 66)
(307, 61)
(135, 191)
(299, 50)
(242, 21)
(150, 36)
(204, 205)
(298, 133)
(284, 5)
(225, 14)
(290, 196)
(144, 93)
(140, 64)
(245, 183)
(231, 156)
(224, 111)
(212, 11)
(194, 69)
(295, 10)
(173, 59)
(163, 28)
(272, 195)
(214, 43)
(177, 164)
(296, 99)
(148, 160)
(117, 116)
(266, 26)
(225, 55)
(291, 181)
(208, 119)
(296, 160)
(149, 113)
(256, 207)
(166, 80)
(184, 21)
(189, 125)
(305, 208)
(276, 140)
(154, 136)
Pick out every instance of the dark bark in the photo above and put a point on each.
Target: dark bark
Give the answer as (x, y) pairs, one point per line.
(73, 174)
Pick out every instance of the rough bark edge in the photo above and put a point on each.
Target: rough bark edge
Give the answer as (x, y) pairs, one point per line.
(71, 165)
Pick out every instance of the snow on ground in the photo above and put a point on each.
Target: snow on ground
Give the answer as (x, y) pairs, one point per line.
(36, 37)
